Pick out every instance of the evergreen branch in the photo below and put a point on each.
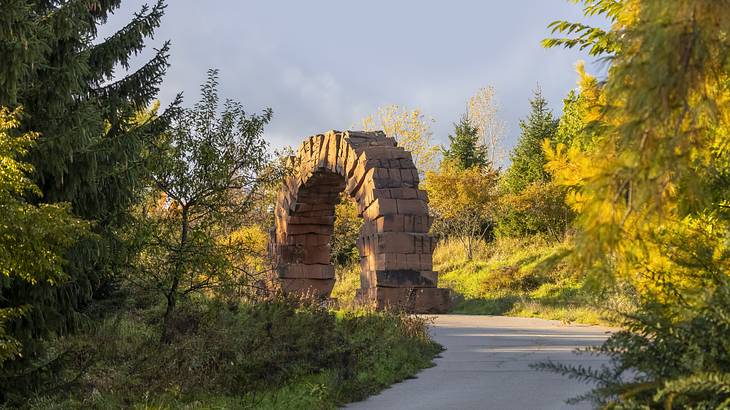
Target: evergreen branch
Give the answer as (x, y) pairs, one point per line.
(126, 42)
(74, 17)
(705, 384)
(140, 87)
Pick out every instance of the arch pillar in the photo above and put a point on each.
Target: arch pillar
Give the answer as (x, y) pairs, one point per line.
(394, 244)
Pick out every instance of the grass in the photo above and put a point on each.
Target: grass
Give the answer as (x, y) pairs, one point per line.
(520, 277)
(272, 354)
(346, 284)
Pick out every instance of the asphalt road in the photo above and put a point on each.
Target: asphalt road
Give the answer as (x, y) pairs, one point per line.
(485, 366)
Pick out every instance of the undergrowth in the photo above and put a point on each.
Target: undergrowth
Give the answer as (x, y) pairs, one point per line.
(271, 354)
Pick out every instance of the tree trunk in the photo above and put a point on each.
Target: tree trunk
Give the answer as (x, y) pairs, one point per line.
(468, 248)
(171, 294)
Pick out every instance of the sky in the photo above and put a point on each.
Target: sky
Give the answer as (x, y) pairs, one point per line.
(324, 65)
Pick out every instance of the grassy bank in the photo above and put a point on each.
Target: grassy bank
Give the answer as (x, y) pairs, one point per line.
(520, 277)
(267, 355)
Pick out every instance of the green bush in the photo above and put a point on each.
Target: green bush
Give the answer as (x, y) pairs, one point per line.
(539, 208)
(667, 356)
(273, 353)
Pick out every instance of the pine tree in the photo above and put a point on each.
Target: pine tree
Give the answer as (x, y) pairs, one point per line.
(89, 152)
(528, 158)
(465, 151)
(32, 238)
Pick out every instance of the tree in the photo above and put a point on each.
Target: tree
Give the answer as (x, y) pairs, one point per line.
(579, 110)
(412, 131)
(528, 158)
(465, 150)
(33, 239)
(529, 204)
(462, 200)
(483, 111)
(652, 198)
(346, 232)
(539, 208)
(89, 151)
(207, 174)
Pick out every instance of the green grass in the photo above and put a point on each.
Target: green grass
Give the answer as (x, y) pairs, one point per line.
(346, 284)
(267, 355)
(520, 277)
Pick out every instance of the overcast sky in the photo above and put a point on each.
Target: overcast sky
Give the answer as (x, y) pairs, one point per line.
(325, 64)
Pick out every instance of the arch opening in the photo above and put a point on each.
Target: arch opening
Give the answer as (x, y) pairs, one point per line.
(394, 245)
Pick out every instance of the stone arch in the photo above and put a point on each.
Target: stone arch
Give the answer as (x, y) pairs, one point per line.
(394, 245)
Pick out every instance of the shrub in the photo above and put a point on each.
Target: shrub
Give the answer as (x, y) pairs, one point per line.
(274, 353)
(539, 209)
(664, 357)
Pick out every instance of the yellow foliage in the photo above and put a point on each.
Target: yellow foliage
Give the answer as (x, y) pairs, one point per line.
(412, 130)
(463, 201)
(250, 243)
(454, 192)
(645, 189)
(483, 114)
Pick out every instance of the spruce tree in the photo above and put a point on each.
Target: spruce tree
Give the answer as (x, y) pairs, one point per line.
(528, 158)
(33, 238)
(465, 151)
(90, 151)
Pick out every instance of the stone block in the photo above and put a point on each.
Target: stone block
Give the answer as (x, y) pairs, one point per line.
(382, 178)
(411, 207)
(395, 242)
(399, 278)
(403, 193)
(390, 223)
(316, 254)
(388, 261)
(406, 163)
(366, 245)
(305, 207)
(380, 207)
(397, 223)
(416, 300)
(386, 152)
(419, 223)
(311, 220)
(319, 212)
(366, 278)
(409, 177)
(426, 261)
(304, 271)
(414, 259)
(297, 229)
(308, 239)
(319, 288)
(290, 253)
(351, 163)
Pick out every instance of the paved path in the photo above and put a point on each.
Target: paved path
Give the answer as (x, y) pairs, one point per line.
(486, 364)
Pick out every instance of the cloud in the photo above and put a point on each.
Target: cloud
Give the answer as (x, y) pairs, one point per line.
(318, 93)
(323, 65)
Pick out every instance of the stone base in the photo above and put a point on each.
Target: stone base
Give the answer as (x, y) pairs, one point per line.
(318, 288)
(414, 300)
